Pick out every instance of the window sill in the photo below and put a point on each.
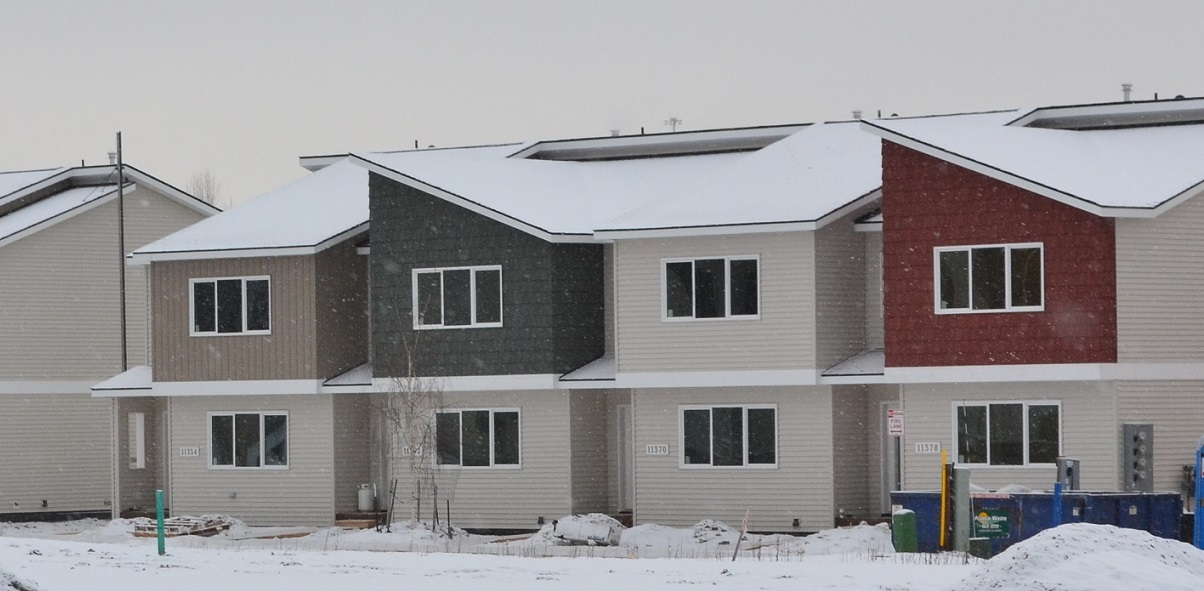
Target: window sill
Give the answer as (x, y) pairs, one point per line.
(688, 319)
(430, 327)
(250, 333)
(954, 311)
(744, 467)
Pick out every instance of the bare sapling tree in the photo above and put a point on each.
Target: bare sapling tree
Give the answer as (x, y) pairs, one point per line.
(205, 186)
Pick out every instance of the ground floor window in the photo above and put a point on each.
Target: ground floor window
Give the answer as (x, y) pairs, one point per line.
(477, 438)
(248, 439)
(729, 435)
(1008, 433)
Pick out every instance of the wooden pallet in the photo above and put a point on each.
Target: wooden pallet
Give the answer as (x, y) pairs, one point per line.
(183, 526)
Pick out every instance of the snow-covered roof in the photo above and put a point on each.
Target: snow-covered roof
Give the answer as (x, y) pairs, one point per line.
(302, 217)
(553, 199)
(803, 178)
(16, 224)
(1127, 171)
(14, 181)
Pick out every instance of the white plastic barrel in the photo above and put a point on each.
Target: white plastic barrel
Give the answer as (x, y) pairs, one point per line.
(365, 500)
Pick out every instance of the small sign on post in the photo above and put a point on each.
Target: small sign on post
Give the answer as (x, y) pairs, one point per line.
(894, 422)
(992, 523)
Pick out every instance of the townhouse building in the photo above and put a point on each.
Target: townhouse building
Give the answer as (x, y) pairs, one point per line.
(63, 327)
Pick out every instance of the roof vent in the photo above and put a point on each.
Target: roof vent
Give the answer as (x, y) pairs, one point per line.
(112, 157)
(857, 114)
(1127, 90)
(614, 133)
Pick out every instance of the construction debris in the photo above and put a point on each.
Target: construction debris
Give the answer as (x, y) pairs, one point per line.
(183, 526)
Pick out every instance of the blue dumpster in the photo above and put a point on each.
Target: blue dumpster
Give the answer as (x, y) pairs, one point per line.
(1009, 518)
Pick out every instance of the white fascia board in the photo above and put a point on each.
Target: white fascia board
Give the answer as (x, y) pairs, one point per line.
(868, 227)
(237, 388)
(316, 163)
(1053, 372)
(62, 217)
(1161, 107)
(121, 392)
(472, 206)
(483, 383)
(17, 387)
(854, 380)
(62, 175)
(598, 384)
(703, 379)
(170, 192)
(605, 235)
(145, 258)
(1154, 371)
(658, 139)
(1032, 186)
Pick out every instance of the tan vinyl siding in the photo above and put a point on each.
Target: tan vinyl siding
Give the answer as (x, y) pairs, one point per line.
(874, 332)
(1176, 411)
(783, 336)
(1159, 279)
(352, 449)
(505, 497)
(289, 352)
(138, 484)
(839, 293)
(590, 485)
(799, 487)
(61, 319)
(302, 494)
(1088, 431)
(342, 309)
(57, 448)
(851, 419)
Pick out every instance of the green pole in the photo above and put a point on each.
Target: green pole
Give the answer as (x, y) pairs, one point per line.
(159, 521)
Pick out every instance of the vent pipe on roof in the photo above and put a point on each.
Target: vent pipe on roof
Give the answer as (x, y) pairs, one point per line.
(1127, 89)
(857, 114)
(112, 157)
(614, 133)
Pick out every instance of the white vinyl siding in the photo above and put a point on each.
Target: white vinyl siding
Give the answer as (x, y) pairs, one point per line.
(1175, 410)
(590, 455)
(1160, 286)
(61, 321)
(509, 498)
(301, 495)
(839, 293)
(853, 421)
(57, 448)
(1088, 429)
(783, 336)
(875, 334)
(800, 488)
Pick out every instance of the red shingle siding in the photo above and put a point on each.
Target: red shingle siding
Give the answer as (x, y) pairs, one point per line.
(928, 203)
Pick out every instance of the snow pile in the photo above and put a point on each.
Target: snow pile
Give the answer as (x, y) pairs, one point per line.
(590, 529)
(867, 540)
(1091, 558)
(10, 582)
(708, 533)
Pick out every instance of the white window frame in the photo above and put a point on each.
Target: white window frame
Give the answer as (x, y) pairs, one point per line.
(288, 434)
(215, 333)
(472, 289)
(727, 287)
(492, 466)
(681, 437)
(137, 440)
(1007, 278)
(1024, 414)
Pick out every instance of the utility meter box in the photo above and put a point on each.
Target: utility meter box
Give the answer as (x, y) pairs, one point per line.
(1137, 457)
(1068, 473)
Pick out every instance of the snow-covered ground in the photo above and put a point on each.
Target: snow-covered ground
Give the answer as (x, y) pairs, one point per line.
(100, 555)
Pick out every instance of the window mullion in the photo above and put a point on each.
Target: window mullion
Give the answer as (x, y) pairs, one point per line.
(711, 425)
(491, 431)
(1024, 431)
(263, 459)
(988, 430)
(744, 413)
(1007, 286)
(727, 287)
(472, 297)
(443, 322)
(970, 287)
(693, 291)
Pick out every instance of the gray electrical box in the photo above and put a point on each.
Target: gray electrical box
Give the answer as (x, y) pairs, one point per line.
(1137, 457)
(1068, 473)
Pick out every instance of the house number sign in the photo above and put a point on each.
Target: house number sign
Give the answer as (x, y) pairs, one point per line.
(190, 452)
(659, 449)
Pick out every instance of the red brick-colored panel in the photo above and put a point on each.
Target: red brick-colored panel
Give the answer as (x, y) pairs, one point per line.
(928, 203)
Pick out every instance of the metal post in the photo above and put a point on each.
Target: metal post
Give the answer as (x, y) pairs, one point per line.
(125, 357)
(1057, 504)
(159, 522)
(1198, 536)
(962, 512)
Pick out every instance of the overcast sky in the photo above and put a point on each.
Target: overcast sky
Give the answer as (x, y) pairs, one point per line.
(242, 88)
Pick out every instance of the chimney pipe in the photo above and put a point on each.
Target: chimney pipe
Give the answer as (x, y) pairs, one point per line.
(857, 114)
(614, 133)
(1127, 89)
(112, 157)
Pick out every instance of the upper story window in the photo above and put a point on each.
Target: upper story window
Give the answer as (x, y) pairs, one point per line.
(248, 440)
(720, 287)
(458, 297)
(991, 278)
(1008, 433)
(236, 305)
(729, 436)
(477, 437)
